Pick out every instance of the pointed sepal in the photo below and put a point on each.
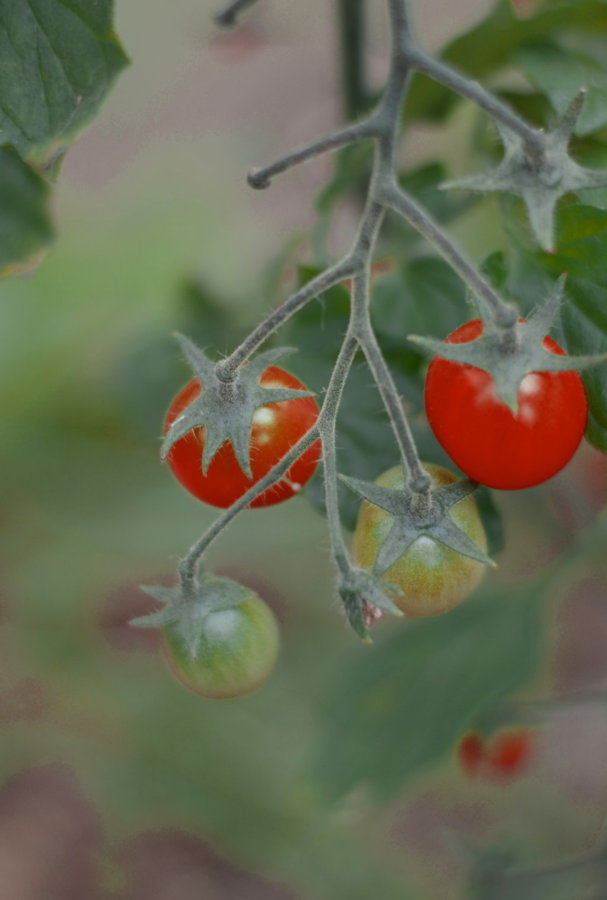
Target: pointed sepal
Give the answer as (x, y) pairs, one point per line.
(186, 611)
(225, 408)
(540, 173)
(509, 356)
(362, 594)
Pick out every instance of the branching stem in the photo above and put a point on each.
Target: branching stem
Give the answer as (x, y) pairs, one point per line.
(382, 126)
(504, 313)
(466, 87)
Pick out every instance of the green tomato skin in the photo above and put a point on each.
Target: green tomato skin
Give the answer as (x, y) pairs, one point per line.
(433, 578)
(236, 652)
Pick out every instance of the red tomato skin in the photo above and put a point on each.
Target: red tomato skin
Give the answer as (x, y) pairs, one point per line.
(225, 481)
(508, 755)
(470, 753)
(483, 437)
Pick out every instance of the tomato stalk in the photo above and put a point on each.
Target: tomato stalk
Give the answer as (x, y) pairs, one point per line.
(382, 126)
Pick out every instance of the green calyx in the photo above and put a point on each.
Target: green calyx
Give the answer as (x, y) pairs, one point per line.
(187, 611)
(509, 354)
(225, 408)
(541, 176)
(413, 520)
(363, 594)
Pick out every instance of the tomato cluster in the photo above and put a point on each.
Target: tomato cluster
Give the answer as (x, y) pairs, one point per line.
(503, 758)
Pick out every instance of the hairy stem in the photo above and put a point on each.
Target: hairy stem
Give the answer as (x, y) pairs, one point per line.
(417, 477)
(262, 177)
(504, 313)
(326, 421)
(189, 564)
(327, 425)
(466, 87)
(343, 269)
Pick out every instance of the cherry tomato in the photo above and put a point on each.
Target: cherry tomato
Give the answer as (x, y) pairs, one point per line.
(482, 435)
(236, 652)
(508, 754)
(470, 753)
(276, 427)
(432, 577)
(503, 758)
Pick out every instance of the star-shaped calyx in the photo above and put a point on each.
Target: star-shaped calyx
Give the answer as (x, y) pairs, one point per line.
(186, 612)
(509, 354)
(415, 516)
(225, 408)
(539, 174)
(365, 597)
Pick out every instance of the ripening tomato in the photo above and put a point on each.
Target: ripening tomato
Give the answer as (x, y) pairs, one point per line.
(236, 652)
(276, 428)
(482, 435)
(470, 753)
(508, 754)
(432, 577)
(502, 758)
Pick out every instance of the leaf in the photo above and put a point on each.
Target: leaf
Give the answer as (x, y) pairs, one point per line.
(423, 183)
(58, 60)
(581, 252)
(150, 371)
(25, 224)
(560, 74)
(489, 47)
(402, 704)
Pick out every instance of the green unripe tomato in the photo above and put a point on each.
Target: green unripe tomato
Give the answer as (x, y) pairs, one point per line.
(236, 652)
(432, 577)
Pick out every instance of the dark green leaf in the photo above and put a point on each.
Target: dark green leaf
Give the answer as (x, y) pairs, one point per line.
(57, 63)
(402, 704)
(152, 370)
(582, 246)
(490, 45)
(423, 185)
(560, 74)
(25, 225)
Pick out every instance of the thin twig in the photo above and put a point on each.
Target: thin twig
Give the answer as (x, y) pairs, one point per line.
(466, 87)
(229, 15)
(505, 314)
(262, 177)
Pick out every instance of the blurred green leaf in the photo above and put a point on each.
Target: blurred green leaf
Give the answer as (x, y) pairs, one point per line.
(560, 74)
(423, 183)
(25, 224)
(489, 46)
(402, 704)
(581, 253)
(57, 63)
(492, 520)
(152, 369)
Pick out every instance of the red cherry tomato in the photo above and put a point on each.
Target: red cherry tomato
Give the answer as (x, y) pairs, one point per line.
(481, 434)
(508, 754)
(276, 428)
(470, 752)
(502, 759)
